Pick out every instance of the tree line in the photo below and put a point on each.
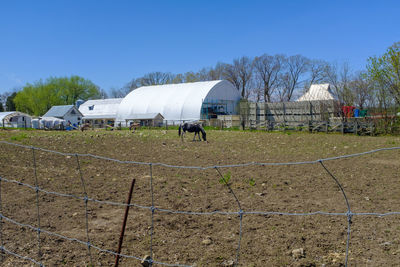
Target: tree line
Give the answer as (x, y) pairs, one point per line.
(268, 78)
(278, 78)
(39, 97)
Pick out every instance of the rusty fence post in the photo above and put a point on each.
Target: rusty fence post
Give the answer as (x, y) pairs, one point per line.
(121, 237)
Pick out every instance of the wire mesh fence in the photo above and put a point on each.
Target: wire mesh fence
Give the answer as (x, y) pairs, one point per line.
(148, 204)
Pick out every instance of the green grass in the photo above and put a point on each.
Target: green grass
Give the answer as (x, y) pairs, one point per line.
(19, 137)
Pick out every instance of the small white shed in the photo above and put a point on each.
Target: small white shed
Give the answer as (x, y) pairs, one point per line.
(69, 113)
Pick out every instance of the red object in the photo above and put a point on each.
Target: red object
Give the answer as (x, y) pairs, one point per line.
(348, 111)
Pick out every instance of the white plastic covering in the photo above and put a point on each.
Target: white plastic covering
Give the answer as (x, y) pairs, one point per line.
(51, 122)
(100, 108)
(35, 123)
(177, 102)
(318, 92)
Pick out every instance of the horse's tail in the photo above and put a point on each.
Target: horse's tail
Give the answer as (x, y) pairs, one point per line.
(203, 133)
(180, 129)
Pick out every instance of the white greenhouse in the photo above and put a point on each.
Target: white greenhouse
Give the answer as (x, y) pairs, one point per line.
(181, 102)
(15, 119)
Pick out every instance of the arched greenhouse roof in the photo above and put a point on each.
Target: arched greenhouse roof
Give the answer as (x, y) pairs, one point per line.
(175, 101)
(6, 116)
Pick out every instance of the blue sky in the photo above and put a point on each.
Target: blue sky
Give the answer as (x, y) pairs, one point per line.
(111, 42)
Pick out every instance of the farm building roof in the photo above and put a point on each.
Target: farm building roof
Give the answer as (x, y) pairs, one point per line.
(58, 111)
(176, 101)
(100, 108)
(318, 92)
(5, 114)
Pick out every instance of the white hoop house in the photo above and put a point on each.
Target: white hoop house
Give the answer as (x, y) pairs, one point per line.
(180, 102)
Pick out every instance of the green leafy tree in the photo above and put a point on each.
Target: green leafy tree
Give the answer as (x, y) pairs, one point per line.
(385, 71)
(39, 97)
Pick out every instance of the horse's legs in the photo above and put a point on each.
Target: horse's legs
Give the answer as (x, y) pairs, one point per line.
(199, 136)
(194, 137)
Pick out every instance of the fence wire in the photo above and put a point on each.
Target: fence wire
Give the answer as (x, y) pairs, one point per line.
(153, 208)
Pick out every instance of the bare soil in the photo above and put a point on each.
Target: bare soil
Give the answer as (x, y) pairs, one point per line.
(371, 183)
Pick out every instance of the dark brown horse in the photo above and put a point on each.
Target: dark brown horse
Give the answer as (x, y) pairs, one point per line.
(84, 127)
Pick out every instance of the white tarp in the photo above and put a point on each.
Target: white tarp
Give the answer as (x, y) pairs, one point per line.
(50, 122)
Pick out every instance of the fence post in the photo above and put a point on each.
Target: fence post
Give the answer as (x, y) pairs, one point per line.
(372, 128)
(355, 127)
(326, 126)
(121, 237)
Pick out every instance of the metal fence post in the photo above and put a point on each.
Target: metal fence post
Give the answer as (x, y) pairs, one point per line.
(121, 237)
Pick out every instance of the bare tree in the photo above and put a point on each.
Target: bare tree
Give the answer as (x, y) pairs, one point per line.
(267, 70)
(231, 74)
(178, 78)
(257, 92)
(4, 96)
(361, 87)
(316, 70)
(156, 78)
(205, 74)
(339, 78)
(118, 93)
(296, 67)
(239, 74)
(190, 77)
(103, 93)
(346, 77)
(216, 73)
(244, 65)
(282, 89)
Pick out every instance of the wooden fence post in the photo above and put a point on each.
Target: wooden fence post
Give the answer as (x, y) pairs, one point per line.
(355, 127)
